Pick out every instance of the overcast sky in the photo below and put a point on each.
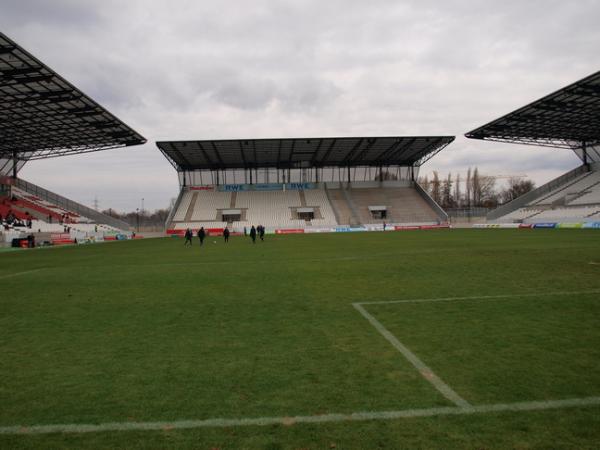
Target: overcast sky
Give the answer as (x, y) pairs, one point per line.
(252, 68)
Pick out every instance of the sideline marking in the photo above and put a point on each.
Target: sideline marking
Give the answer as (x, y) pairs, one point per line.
(20, 273)
(288, 421)
(476, 297)
(423, 369)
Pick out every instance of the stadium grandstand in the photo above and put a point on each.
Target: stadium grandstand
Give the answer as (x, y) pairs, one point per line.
(569, 119)
(303, 184)
(44, 116)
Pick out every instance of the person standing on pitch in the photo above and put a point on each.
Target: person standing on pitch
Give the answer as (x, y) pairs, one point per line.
(188, 237)
(261, 233)
(253, 234)
(201, 235)
(226, 234)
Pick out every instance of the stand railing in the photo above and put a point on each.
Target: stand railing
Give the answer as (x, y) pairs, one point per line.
(536, 193)
(70, 205)
(443, 217)
(173, 209)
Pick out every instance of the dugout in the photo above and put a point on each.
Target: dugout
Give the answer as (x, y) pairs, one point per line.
(378, 212)
(231, 215)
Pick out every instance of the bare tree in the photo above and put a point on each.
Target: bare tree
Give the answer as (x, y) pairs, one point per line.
(476, 188)
(447, 200)
(468, 195)
(488, 196)
(425, 184)
(516, 188)
(457, 194)
(436, 193)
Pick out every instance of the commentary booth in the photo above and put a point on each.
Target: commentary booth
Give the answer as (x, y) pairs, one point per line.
(42, 115)
(302, 184)
(566, 119)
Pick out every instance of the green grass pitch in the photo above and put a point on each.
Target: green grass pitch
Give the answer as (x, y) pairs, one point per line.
(151, 331)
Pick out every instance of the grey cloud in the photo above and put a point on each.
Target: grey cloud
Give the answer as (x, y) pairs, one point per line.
(186, 69)
(245, 93)
(289, 94)
(62, 13)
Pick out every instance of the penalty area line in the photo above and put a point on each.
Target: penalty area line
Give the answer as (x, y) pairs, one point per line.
(292, 420)
(423, 369)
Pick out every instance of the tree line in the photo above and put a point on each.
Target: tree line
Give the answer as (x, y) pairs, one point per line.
(142, 218)
(476, 190)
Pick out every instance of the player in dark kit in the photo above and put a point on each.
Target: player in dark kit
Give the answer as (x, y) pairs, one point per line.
(261, 232)
(226, 234)
(201, 235)
(253, 234)
(188, 237)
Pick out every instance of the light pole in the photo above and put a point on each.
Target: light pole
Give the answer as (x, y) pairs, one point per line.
(137, 219)
(143, 212)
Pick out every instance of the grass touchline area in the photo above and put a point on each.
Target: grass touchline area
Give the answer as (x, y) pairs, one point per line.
(292, 420)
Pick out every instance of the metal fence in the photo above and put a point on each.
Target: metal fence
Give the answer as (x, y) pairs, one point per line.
(467, 213)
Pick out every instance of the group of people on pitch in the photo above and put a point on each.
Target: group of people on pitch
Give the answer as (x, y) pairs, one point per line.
(254, 232)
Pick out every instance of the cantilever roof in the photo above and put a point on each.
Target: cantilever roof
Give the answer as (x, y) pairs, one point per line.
(566, 118)
(303, 152)
(42, 115)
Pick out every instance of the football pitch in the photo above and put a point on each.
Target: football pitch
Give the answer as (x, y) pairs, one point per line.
(413, 339)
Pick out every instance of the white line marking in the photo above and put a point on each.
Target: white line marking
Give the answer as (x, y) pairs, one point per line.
(324, 418)
(423, 369)
(20, 273)
(477, 297)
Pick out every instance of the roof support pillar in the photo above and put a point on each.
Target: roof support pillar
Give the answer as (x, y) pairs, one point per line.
(14, 173)
(15, 162)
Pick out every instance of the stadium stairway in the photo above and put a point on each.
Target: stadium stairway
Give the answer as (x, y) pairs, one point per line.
(575, 200)
(556, 192)
(340, 206)
(302, 199)
(354, 217)
(336, 212)
(536, 213)
(190, 211)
